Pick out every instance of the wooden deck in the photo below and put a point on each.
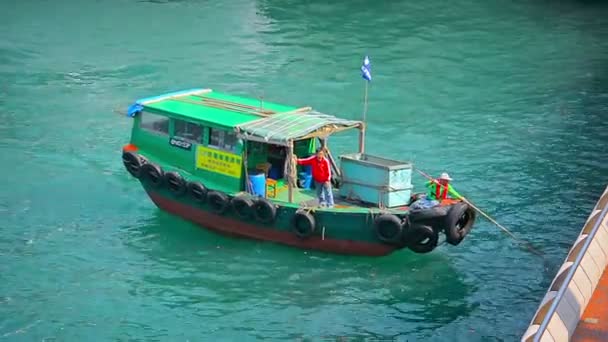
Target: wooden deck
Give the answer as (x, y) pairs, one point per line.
(308, 198)
(593, 325)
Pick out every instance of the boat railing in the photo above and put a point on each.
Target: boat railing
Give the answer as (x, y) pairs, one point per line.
(572, 287)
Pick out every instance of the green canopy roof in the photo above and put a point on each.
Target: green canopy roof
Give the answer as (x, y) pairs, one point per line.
(214, 107)
(298, 124)
(251, 118)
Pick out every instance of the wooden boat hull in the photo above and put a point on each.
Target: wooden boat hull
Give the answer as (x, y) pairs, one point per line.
(229, 225)
(340, 233)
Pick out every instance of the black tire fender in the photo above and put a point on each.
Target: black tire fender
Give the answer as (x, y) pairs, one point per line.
(218, 201)
(388, 228)
(430, 214)
(133, 163)
(242, 206)
(153, 173)
(421, 238)
(175, 183)
(458, 222)
(264, 210)
(303, 224)
(198, 191)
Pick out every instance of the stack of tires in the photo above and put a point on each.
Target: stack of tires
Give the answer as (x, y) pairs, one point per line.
(419, 230)
(399, 231)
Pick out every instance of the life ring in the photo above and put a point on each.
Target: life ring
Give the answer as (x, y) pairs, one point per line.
(133, 163)
(175, 183)
(218, 201)
(197, 191)
(458, 222)
(421, 238)
(303, 224)
(153, 174)
(242, 206)
(264, 211)
(388, 228)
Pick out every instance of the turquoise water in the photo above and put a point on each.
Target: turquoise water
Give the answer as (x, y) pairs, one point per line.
(510, 99)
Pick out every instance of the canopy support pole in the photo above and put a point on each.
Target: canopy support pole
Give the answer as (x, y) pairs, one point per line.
(290, 181)
(362, 139)
(248, 186)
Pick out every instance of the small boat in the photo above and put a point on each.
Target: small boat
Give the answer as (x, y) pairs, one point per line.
(228, 163)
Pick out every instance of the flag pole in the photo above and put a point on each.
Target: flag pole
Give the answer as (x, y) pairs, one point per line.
(366, 73)
(365, 102)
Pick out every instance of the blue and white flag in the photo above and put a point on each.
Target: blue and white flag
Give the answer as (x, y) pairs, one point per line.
(366, 69)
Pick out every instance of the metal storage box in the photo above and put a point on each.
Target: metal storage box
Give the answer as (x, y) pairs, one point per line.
(375, 180)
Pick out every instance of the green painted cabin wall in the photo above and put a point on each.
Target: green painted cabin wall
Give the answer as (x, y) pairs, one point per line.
(156, 147)
(215, 180)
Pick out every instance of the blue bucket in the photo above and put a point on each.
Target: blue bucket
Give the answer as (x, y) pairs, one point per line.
(258, 184)
(305, 180)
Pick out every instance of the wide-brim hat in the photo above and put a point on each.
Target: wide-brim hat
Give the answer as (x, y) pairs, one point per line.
(445, 176)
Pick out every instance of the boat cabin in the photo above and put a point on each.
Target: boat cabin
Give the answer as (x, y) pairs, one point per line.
(237, 144)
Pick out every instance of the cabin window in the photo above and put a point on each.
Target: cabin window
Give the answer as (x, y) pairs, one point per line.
(223, 140)
(154, 123)
(187, 130)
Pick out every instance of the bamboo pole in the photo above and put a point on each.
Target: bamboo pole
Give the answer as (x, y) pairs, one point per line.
(527, 244)
(297, 110)
(221, 106)
(243, 108)
(237, 107)
(250, 107)
(208, 99)
(173, 97)
(326, 130)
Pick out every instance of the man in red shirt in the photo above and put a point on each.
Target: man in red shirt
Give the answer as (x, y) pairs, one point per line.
(321, 174)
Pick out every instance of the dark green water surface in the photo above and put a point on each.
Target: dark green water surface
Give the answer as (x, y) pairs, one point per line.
(510, 98)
